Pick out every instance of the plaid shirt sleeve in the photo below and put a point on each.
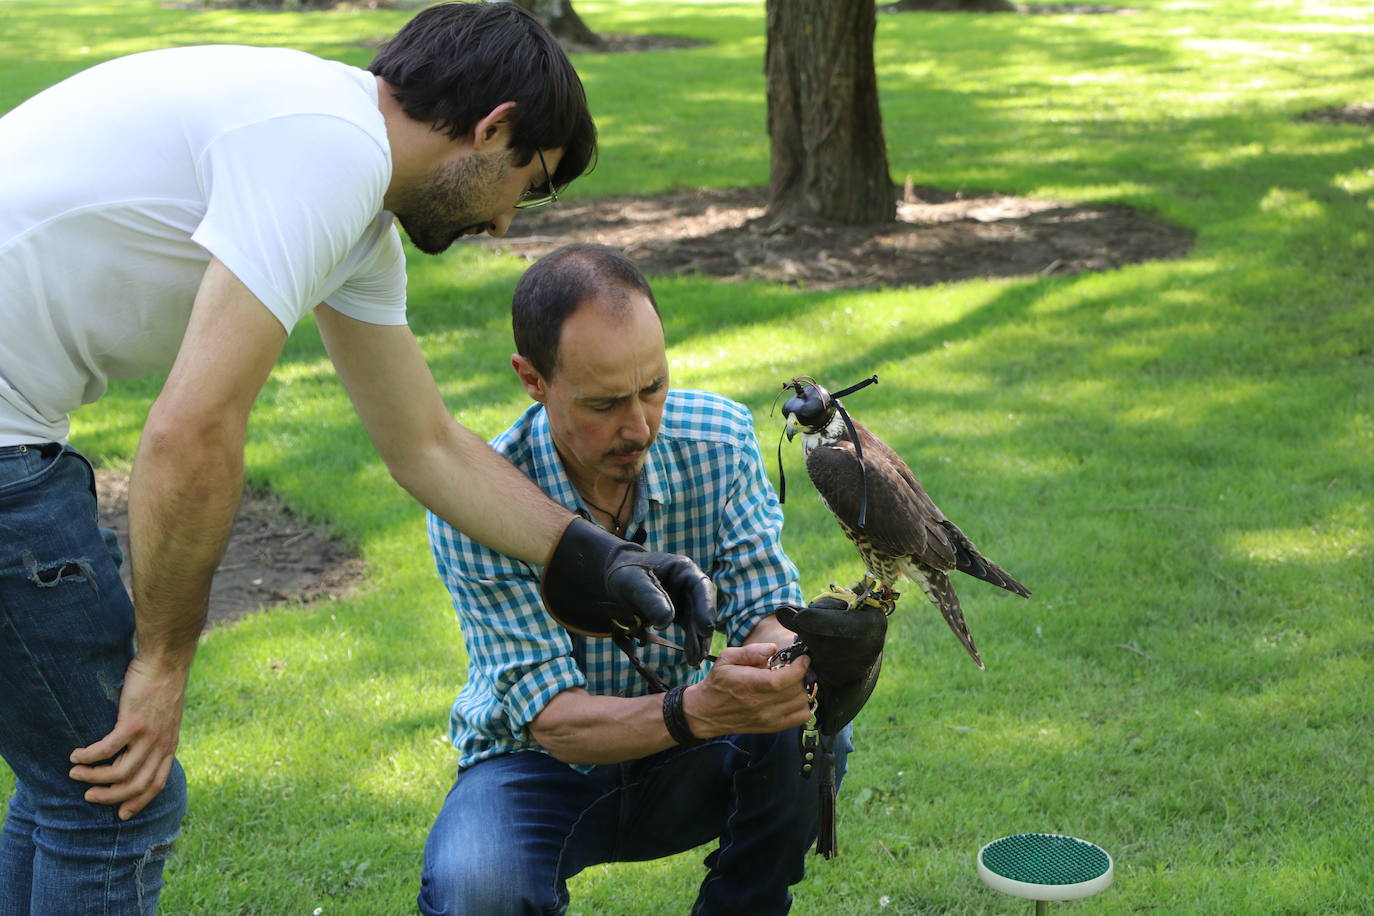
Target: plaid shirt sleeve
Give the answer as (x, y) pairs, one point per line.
(751, 572)
(526, 658)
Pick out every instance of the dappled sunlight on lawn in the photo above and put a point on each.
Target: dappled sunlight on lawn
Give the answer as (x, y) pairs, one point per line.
(1334, 540)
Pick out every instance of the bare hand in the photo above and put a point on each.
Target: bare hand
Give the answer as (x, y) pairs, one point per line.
(142, 744)
(741, 695)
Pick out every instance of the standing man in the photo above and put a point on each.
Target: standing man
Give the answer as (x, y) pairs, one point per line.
(566, 760)
(180, 211)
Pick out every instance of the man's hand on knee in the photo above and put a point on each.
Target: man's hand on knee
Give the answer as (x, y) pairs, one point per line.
(142, 744)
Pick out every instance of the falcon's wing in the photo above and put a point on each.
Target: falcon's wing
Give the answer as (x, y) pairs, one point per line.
(901, 519)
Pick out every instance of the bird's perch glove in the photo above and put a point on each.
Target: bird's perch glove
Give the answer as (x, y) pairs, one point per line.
(597, 584)
(846, 648)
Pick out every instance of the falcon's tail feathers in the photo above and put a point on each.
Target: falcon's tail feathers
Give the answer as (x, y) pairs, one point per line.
(941, 593)
(968, 560)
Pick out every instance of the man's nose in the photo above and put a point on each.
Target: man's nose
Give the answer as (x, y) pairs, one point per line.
(635, 427)
(497, 227)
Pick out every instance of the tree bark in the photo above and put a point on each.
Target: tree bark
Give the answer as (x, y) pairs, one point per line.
(562, 21)
(829, 159)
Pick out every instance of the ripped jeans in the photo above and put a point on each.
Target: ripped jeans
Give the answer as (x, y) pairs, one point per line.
(66, 637)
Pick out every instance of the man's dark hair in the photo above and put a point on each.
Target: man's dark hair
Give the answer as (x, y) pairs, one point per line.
(554, 287)
(455, 62)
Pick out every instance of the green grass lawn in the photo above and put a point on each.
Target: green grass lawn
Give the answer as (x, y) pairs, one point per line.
(1174, 457)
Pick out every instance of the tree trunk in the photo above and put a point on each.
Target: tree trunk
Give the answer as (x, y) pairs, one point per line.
(562, 21)
(948, 6)
(829, 161)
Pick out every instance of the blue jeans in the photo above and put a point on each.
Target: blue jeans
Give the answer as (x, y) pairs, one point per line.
(515, 828)
(66, 637)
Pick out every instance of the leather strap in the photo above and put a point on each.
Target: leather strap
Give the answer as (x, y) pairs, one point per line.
(676, 719)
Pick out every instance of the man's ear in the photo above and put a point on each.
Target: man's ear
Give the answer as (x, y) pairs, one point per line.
(493, 133)
(530, 378)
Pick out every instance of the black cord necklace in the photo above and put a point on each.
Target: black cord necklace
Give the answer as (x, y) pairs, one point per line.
(615, 516)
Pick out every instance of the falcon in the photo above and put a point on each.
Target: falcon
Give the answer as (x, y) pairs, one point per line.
(883, 508)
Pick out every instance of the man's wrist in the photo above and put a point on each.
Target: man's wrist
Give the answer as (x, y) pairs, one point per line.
(675, 718)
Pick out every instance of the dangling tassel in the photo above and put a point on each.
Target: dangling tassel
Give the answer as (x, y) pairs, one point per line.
(782, 480)
(858, 448)
(826, 843)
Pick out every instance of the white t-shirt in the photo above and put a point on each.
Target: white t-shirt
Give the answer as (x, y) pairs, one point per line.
(118, 184)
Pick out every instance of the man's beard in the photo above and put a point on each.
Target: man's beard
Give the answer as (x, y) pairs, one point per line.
(437, 214)
(629, 473)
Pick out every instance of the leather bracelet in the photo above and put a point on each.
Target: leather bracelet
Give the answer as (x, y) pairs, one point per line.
(676, 719)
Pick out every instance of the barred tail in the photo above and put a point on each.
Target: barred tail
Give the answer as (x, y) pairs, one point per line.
(941, 593)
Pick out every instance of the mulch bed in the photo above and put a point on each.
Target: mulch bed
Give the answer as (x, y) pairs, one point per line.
(612, 43)
(1361, 113)
(272, 557)
(940, 236)
(1029, 9)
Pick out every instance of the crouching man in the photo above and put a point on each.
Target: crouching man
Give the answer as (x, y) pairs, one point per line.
(567, 759)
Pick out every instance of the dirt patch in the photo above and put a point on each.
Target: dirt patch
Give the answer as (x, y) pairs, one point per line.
(610, 44)
(1029, 9)
(940, 236)
(273, 557)
(1071, 9)
(1359, 113)
(633, 44)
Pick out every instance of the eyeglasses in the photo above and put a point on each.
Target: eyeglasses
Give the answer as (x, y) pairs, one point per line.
(542, 195)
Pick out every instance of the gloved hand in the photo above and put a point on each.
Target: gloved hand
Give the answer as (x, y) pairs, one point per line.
(596, 583)
(846, 648)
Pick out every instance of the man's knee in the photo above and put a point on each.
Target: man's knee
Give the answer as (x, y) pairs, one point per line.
(461, 885)
(478, 879)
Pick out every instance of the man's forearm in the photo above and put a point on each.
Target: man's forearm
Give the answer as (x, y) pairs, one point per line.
(580, 728)
(770, 630)
(465, 482)
(739, 695)
(449, 469)
(183, 494)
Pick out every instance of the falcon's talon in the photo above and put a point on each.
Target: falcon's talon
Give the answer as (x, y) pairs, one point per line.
(848, 596)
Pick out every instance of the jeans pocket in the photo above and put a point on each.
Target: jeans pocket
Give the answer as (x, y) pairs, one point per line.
(24, 467)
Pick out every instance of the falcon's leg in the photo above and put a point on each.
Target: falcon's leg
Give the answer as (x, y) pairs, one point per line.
(863, 588)
(869, 590)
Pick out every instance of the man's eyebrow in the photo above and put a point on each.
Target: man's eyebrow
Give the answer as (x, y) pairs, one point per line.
(617, 398)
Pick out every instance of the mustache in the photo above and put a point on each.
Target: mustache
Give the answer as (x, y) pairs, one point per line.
(629, 448)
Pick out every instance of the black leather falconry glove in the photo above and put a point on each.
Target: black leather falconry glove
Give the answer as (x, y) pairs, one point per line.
(597, 584)
(845, 643)
(844, 635)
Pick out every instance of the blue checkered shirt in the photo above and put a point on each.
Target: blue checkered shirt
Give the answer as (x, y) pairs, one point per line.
(703, 493)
